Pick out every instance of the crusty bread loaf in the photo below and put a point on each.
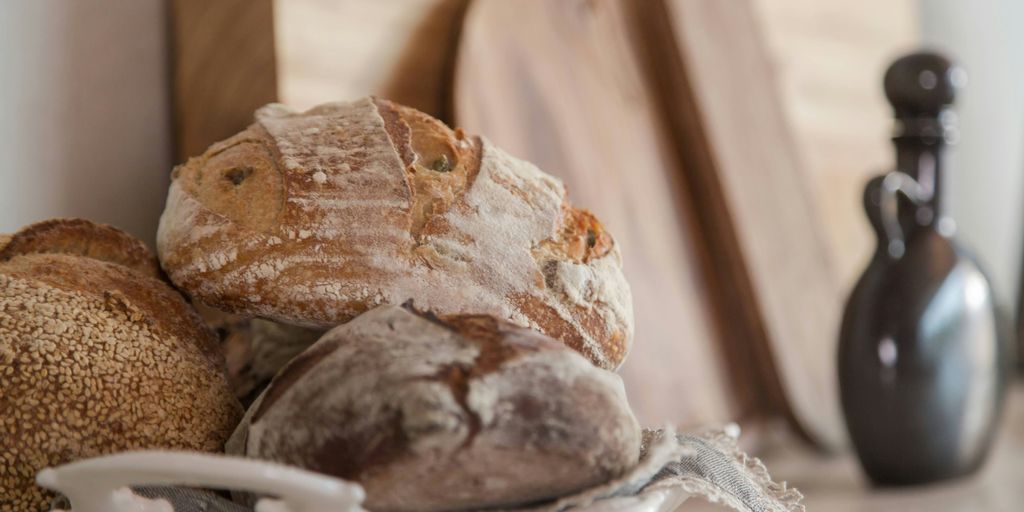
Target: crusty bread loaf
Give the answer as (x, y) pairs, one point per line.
(97, 356)
(313, 218)
(83, 238)
(452, 413)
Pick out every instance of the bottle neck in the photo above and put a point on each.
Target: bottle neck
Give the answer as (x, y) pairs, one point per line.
(922, 160)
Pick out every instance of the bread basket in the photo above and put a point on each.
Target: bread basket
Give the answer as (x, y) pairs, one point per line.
(103, 484)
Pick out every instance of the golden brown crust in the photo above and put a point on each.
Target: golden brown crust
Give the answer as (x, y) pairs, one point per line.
(353, 205)
(83, 238)
(580, 238)
(97, 357)
(238, 178)
(440, 163)
(141, 298)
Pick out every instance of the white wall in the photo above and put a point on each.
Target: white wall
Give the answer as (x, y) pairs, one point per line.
(985, 182)
(84, 112)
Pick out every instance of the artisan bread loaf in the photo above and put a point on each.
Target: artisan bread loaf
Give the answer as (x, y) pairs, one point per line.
(451, 413)
(82, 238)
(312, 218)
(97, 356)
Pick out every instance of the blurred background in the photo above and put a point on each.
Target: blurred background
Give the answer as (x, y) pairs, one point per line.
(725, 143)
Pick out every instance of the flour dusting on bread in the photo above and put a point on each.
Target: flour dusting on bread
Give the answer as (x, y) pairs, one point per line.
(372, 203)
(417, 408)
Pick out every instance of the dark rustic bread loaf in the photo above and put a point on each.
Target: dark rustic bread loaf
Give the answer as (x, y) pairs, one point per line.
(97, 356)
(452, 413)
(312, 218)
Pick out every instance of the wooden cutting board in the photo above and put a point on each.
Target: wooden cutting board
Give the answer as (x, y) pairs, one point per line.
(564, 85)
(719, 94)
(662, 117)
(223, 69)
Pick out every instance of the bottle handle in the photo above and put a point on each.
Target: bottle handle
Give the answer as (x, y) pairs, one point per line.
(894, 183)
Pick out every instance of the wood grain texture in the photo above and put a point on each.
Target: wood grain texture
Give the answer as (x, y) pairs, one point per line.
(223, 67)
(754, 201)
(339, 50)
(828, 58)
(564, 84)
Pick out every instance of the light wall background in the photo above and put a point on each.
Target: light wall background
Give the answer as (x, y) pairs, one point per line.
(985, 182)
(84, 112)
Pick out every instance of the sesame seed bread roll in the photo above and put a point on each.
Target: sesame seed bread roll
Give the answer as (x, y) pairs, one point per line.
(312, 218)
(97, 356)
(451, 413)
(83, 238)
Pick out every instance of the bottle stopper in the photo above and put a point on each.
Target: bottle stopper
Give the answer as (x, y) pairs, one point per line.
(920, 87)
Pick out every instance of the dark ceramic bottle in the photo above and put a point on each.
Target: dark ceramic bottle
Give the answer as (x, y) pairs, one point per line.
(922, 362)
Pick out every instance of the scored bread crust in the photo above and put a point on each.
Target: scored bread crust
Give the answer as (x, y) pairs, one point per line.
(312, 218)
(462, 412)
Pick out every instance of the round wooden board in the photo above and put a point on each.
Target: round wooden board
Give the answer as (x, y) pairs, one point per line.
(560, 84)
(570, 86)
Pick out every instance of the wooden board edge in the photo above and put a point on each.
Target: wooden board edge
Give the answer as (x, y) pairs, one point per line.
(223, 67)
(734, 285)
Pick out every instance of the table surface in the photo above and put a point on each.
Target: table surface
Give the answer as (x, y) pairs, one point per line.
(836, 484)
